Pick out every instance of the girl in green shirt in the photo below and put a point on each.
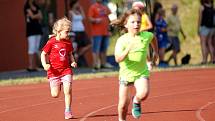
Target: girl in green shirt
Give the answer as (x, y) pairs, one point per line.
(131, 53)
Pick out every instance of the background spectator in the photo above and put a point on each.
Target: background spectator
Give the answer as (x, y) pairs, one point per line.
(156, 6)
(174, 28)
(162, 37)
(77, 15)
(98, 17)
(205, 29)
(47, 21)
(33, 17)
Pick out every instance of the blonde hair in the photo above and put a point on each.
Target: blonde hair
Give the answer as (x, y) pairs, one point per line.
(60, 24)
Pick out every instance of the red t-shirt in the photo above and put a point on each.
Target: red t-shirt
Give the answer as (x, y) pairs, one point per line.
(99, 11)
(59, 59)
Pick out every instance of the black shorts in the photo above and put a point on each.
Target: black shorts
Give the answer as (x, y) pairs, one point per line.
(81, 39)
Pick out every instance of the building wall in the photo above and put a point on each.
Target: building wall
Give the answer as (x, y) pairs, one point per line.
(13, 47)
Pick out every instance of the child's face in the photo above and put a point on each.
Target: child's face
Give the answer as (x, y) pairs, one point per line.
(133, 23)
(64, 34)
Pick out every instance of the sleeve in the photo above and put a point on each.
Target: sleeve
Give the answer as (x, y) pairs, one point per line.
(47, 47)
(147, 35)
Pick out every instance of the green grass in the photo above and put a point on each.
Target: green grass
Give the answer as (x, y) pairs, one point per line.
(21, 81)
(37, 80)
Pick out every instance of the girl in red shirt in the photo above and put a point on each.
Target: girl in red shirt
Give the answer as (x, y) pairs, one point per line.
(57, 60)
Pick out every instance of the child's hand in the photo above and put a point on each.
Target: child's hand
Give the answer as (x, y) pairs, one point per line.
(150, 65)
(74, 64)
(46, 67)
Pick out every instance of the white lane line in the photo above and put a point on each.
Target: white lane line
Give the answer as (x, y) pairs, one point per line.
(93, 112)
(198, 112)
(170, 94)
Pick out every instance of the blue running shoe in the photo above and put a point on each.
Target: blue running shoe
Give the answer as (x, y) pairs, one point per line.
(136, 110)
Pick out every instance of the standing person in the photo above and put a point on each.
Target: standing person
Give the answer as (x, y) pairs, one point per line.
(174, 28)
(33, 16)
(76, 15)
(161, 34)
(131, 53)
(98, 17)
(47, 21)
(205, 29)
(156, 6)
(56, 59)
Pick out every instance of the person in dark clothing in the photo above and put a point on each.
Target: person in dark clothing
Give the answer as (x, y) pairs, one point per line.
(33, 16)
(76, 15)
(156, 6)
(205, 29)
(47, 21)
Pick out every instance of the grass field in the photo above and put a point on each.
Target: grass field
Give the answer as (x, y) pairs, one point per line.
(36, 80)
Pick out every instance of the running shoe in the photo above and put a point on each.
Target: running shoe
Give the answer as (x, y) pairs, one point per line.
(68, 115)
(136, 110)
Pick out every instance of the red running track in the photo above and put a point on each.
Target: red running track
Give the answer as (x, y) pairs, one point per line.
(185, 95)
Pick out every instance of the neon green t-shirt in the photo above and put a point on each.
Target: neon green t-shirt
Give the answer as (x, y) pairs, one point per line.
(134, 65)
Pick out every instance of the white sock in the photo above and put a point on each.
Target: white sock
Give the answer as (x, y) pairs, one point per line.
(67, 109)
(135, 100)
